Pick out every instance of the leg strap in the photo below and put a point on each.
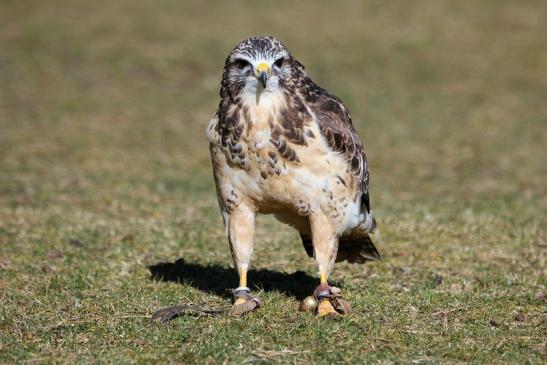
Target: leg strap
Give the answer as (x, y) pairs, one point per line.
(244, 302)
(323, 291)
(245, 293)
(241, 289)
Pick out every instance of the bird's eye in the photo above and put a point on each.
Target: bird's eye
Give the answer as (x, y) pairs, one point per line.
(241, 63)
(279, 63)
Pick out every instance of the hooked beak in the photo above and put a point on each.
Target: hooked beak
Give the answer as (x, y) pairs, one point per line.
(263, 72)
(263, 78)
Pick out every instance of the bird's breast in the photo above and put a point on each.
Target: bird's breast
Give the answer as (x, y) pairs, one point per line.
(281, 174)
(279, 162)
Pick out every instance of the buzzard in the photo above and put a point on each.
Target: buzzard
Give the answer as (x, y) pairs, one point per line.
(282, 145)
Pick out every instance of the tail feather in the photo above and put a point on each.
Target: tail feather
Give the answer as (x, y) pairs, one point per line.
(308, 244)
(354, 249)
(357, 249)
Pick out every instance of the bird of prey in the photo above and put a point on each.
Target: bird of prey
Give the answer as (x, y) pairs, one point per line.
(282, 145)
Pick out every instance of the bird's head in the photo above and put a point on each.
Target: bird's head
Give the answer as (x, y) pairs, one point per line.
(258, 64)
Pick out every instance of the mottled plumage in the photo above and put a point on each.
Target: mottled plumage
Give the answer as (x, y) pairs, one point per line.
(280, 144)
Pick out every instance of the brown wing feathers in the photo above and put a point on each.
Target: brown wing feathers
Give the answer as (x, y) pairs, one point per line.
(337, 128)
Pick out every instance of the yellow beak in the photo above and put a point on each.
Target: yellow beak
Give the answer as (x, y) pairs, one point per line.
(263, 67)
(263, 73)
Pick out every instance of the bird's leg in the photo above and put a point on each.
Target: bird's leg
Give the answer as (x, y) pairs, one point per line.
(325, 247)
(241, 227)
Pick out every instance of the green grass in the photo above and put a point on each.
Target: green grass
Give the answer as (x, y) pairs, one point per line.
(104, 171)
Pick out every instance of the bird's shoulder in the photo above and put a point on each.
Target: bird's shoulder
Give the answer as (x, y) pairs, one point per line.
(226, 125)
(336, 127)
(211, 133)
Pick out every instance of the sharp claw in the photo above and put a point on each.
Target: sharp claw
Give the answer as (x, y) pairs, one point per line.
(240, 301)
(245, 307)
(244, 303)
(331, 304)
(326, 310)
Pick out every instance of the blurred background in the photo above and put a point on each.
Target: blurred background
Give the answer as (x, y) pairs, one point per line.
(104, 167)
(450, 97)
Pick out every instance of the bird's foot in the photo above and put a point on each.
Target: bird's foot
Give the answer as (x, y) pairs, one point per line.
(244, 302)
(331, 305)
(326, 310)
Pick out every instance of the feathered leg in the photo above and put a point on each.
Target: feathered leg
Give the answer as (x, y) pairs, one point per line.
(241, 228)
(325, 246)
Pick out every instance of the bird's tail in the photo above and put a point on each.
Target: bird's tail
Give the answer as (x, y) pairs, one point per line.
(357, 249)
(355, 246)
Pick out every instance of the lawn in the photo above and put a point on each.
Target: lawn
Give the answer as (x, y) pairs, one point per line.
(108, 210)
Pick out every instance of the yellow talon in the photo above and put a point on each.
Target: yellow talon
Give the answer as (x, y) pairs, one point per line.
(239, 301)
(326, 310)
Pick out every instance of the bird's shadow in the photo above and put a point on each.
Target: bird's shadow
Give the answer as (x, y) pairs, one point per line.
(217, 280)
